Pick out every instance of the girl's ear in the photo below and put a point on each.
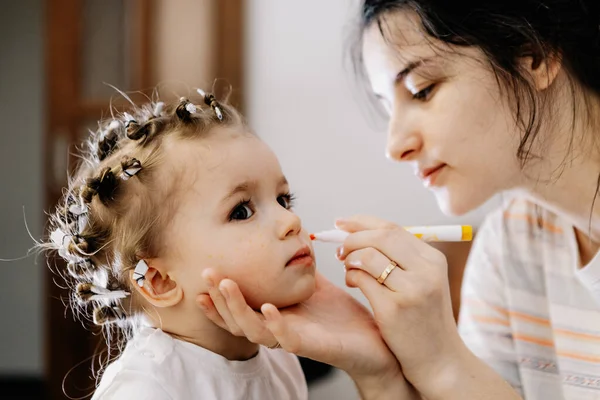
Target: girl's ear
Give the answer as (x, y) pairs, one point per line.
(158, 287)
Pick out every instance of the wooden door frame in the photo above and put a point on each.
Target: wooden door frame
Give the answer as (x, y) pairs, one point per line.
(229, 51)
(67, 345)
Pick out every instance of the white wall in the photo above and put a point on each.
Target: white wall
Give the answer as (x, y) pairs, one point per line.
(21, 129)
(303, 101)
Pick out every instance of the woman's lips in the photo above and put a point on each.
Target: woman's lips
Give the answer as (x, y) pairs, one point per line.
(429, 176)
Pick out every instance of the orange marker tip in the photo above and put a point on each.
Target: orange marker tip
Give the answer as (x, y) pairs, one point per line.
(312, 237)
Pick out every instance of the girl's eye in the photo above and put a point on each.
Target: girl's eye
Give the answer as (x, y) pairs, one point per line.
(424, 94)
(241, 212)
(286, 200)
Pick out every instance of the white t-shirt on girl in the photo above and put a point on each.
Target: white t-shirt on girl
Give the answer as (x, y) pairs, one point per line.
(156, 366)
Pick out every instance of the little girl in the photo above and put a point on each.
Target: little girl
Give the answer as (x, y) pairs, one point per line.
(162, 194)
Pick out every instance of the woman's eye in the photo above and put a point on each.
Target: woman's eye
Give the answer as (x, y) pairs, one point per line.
(286, 201)
(424, 94)
(241, 212)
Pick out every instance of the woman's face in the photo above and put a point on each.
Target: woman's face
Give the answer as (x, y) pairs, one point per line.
(447, 115)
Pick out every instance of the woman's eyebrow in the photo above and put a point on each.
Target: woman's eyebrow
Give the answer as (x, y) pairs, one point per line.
(411, 66)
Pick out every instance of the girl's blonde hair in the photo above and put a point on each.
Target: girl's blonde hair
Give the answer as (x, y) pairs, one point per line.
(115, 207)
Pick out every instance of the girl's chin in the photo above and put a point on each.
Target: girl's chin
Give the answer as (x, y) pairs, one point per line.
(302, 291)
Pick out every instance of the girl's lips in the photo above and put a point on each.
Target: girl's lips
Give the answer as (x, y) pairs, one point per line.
(302, 256)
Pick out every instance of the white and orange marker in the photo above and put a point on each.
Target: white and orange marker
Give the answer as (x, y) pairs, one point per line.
(439, 233)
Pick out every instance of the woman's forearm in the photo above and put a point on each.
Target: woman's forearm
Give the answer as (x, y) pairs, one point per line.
(466, 378)
(393, 387)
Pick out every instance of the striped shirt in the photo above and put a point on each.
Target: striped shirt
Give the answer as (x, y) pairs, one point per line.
(528, 309)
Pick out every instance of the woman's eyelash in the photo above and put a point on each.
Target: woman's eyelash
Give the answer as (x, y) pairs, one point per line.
(424, 94)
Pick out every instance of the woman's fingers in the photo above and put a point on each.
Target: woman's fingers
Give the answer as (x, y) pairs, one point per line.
(396, 244)
(206, 304)
(374, 263)
(212, 280)
(288, 338)
(226, 306)
(390, 239)
(376, 293)
(251, 323)
(358, 223)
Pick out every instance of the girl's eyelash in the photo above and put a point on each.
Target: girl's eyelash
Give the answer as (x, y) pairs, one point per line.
(244, 202)
(291, 199)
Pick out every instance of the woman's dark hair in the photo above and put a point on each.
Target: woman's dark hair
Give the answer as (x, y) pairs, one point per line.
(506, 30)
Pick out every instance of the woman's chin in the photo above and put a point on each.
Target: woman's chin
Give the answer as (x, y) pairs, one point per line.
(455, 205)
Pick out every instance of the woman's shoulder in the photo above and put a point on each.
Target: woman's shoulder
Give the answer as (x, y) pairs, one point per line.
(520, 235)
(514, 248)
(521, 220)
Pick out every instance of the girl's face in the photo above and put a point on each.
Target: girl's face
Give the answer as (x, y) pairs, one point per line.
(234, 214)
(448, 117)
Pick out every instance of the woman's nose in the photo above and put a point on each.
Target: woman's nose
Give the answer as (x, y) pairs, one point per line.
(404, 142)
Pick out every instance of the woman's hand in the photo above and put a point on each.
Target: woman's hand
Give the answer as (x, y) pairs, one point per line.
(412, 306)
(331, 327)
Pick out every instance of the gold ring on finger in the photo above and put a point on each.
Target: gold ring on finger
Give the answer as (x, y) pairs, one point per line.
(387, 271)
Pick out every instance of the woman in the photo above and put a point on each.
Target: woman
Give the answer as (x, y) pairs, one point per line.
(483, 97)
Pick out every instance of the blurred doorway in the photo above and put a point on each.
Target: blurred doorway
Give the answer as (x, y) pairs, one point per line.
(122, 42)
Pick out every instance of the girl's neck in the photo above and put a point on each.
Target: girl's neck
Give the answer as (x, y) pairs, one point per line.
(204, 333)
(221, 342)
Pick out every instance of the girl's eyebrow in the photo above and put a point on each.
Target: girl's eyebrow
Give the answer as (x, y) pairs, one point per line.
(242, 187)
(248, 186)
